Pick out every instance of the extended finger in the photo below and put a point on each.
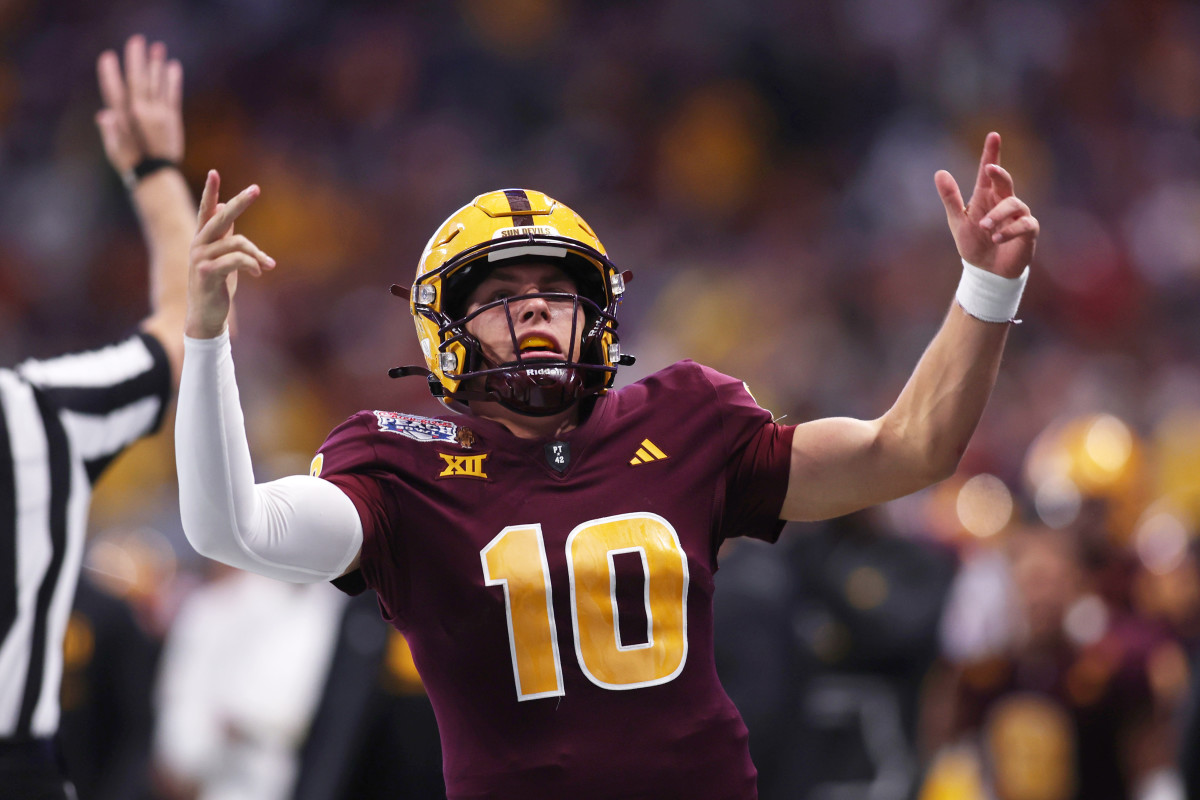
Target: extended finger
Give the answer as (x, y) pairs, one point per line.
(135, 67)
(1009, 208)
(174, 80)
(112, 86)
(991, 155)
(208, 199)
(156, 69)
(951, 196)
(225, 214)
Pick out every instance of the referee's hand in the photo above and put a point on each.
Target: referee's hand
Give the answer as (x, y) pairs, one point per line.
(216, 257)
(143, 107)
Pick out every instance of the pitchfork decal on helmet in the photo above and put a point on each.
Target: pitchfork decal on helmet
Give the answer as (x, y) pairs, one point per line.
(495, 227)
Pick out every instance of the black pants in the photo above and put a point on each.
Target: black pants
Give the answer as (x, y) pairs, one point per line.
(31, 771)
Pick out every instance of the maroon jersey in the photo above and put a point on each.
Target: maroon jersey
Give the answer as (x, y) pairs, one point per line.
(1065, 724)
(557, 594)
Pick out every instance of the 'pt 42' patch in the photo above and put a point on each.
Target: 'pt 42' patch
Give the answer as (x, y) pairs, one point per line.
(421, 429)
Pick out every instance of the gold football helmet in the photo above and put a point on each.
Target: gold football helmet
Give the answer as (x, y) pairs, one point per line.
(514, 223)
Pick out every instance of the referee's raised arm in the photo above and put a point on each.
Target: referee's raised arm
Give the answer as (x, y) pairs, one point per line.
(141, 126)
(64, 419)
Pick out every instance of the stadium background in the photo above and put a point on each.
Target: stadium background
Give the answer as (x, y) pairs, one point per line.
(765, 170)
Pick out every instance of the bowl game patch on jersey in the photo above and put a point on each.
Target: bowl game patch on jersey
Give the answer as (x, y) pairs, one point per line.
(418, 428)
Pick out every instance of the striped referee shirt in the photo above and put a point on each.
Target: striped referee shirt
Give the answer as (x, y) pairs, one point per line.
(62, 421)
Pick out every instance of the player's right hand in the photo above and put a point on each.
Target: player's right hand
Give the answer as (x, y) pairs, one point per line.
(216, 257)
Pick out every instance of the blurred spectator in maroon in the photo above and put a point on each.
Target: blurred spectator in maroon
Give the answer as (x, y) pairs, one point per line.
(1074, 706)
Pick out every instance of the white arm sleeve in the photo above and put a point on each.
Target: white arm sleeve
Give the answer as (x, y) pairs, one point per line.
(300, 528)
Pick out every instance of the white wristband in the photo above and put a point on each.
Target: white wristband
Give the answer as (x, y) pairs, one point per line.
(988, 296)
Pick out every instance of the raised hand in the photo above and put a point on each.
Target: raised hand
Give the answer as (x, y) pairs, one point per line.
(995, 230)
(216, 257)
(143, 108)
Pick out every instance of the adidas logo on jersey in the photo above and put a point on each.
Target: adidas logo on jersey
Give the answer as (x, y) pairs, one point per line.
(647, 453)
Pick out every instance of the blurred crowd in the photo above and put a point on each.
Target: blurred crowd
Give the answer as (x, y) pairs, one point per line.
(1025, 630)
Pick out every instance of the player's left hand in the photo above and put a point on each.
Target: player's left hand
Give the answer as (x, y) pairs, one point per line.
(995, 230)
(143, 108)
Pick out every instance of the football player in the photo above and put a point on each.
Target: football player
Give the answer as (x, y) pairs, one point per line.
(549, 552)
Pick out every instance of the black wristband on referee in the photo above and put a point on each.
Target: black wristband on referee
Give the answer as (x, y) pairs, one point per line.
(147, 166)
